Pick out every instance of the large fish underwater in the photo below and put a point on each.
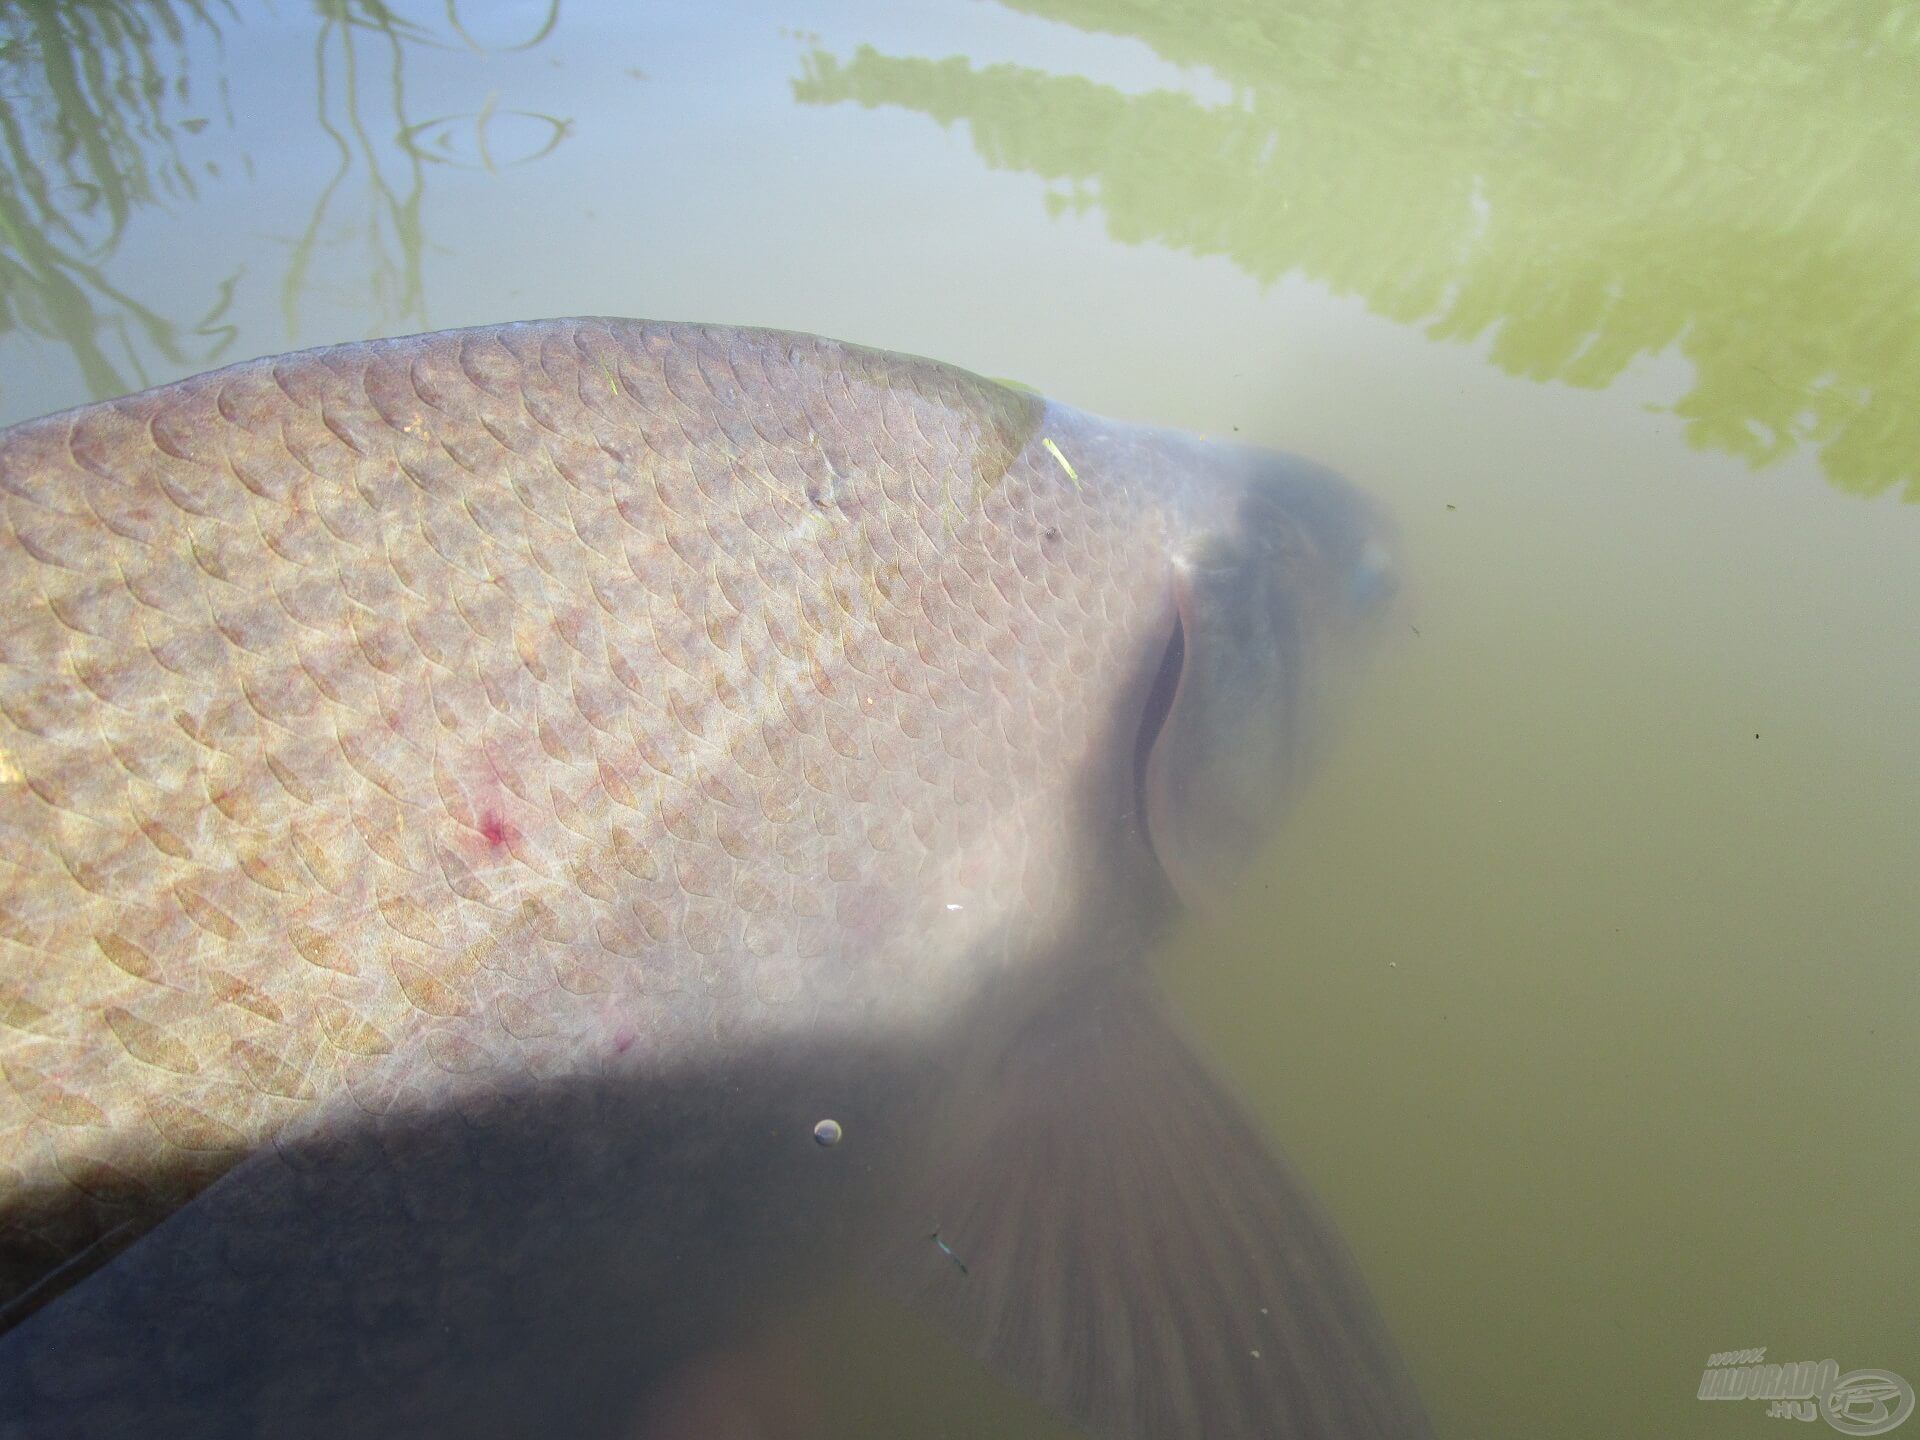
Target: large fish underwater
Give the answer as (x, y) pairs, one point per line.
(481, 812)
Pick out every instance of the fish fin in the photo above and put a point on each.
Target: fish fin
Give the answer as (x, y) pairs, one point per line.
(1118, 1240)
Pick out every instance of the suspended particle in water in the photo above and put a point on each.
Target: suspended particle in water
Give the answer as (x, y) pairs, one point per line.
(827, 1132)
(947, 1250)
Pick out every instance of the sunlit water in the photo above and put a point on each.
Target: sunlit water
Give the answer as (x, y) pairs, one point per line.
(1583, 982)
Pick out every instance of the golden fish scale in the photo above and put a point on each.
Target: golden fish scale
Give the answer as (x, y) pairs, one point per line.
(401, 717)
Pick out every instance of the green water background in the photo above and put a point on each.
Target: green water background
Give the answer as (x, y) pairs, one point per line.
(1583, 983)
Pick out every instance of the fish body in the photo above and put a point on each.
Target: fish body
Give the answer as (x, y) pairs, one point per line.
(471, 805)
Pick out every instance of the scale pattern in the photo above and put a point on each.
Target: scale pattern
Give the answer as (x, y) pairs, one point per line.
(383, 722)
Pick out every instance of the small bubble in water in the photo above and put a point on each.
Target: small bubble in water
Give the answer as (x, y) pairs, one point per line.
(827, 1132)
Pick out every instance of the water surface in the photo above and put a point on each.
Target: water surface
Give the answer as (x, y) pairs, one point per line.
(1583, 982)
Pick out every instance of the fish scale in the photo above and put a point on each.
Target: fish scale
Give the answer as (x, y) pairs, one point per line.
(476, 809)
(385, 685)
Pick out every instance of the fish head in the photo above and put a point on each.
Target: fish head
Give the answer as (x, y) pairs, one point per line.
(1280, 576)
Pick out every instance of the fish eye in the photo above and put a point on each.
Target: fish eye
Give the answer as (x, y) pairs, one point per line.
(1373, 580)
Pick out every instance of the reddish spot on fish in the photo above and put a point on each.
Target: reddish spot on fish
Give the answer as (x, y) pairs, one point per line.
(623, 1039)
(496, 831)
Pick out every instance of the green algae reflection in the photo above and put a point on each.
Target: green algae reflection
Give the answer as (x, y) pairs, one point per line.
(1582, 185)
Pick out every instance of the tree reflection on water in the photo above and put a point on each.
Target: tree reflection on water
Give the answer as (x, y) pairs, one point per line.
(95, 102)
(119, 105)
(1583, 187)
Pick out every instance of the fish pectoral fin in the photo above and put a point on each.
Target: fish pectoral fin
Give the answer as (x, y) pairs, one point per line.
(1117, 1240)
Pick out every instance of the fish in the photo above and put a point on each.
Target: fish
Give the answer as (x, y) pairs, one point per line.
(525, 850)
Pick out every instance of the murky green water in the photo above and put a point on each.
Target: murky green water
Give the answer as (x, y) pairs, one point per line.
(1584, 982)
